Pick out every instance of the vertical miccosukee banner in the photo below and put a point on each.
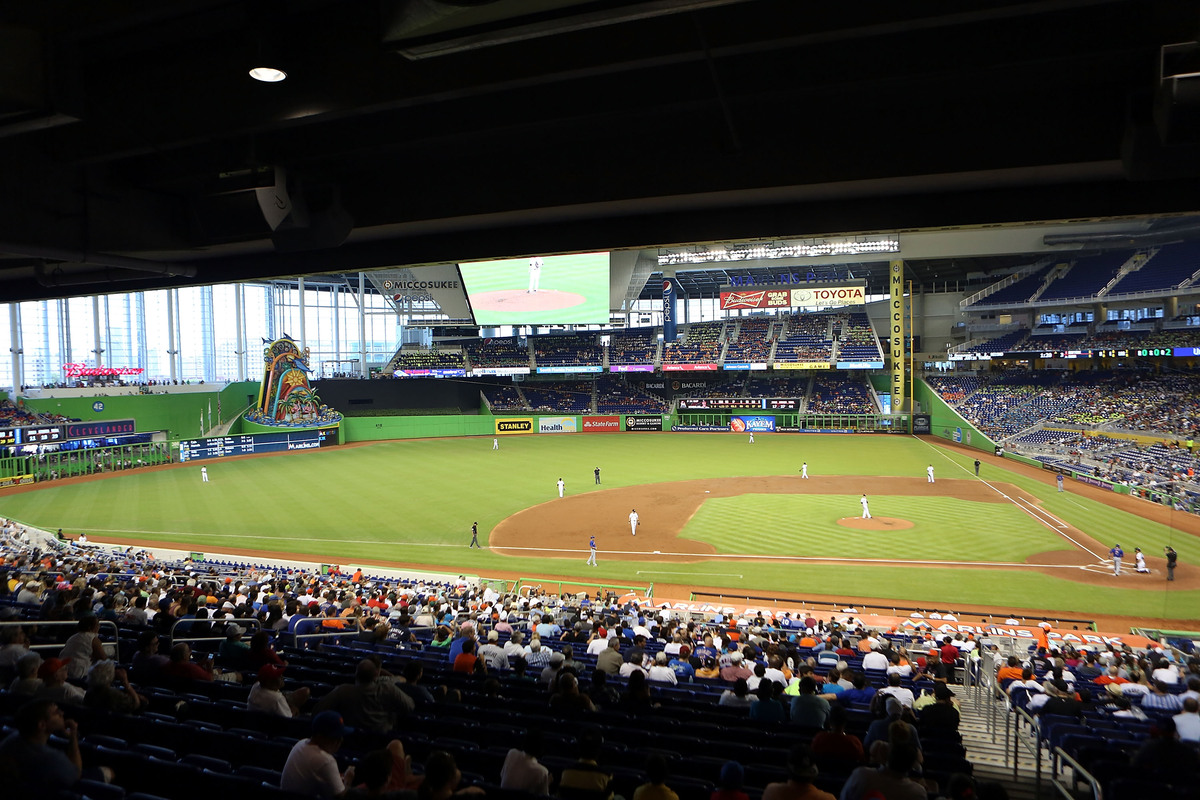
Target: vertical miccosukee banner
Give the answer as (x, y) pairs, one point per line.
(670, 333)
(896, 333)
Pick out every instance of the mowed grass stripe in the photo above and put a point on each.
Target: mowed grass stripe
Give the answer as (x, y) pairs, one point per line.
(807, 525)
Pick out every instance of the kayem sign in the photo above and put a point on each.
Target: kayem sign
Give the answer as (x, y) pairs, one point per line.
(557, 425)
(600, 424)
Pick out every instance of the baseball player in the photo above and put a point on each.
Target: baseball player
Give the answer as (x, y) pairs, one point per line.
(977, 468)
(1060, 482)
(535, 274)
(204, 474)
(592, 556)
(1140, 559)
(475, 536)
(633, 521)
(804, 470)
(929, 473)
(496, 443)
(1117, 554)
(561, 486)
(751, 437)
(866, 508)
(597, 471)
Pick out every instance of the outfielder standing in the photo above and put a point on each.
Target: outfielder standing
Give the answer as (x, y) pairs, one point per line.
(561, 485)
(204, 474)
(633, 521)
(597, 471)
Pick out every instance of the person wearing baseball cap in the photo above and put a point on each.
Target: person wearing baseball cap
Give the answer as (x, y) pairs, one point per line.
(941, 715)
(268, 696)
(311, 768)
(53, 673)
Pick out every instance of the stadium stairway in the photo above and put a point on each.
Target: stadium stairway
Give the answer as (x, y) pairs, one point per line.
(988, 757)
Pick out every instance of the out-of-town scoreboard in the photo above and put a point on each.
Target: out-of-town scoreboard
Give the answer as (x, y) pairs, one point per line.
(249, 443)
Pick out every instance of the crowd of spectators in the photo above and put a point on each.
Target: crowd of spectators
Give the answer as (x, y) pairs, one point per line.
(507, 352)
(856, 340)
(504, 398)
(581, 350)
(635, 346)
(396, 693)
(837, 394)
(754, 341)
(776, 387)
(702, 345)
(567, 397)
(615, 395)
(805, 337)
(406, 358)
(13, 415)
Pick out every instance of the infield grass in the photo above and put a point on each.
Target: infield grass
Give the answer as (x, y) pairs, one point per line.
(414, 501)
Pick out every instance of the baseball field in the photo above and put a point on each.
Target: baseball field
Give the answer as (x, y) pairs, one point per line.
(715, 512)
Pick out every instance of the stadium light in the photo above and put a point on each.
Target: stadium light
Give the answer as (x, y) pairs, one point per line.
(808, 248)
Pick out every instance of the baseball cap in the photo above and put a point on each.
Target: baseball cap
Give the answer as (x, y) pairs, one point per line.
(268, 671)
(51, 666)
(557, 658)
(329, 724)
(732, 774)
(234, 630)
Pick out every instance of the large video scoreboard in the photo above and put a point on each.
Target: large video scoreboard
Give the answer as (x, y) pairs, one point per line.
(246, 444)
(31, 434)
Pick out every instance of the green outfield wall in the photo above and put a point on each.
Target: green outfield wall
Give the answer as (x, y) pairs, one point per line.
(947, 423)
(177, 414)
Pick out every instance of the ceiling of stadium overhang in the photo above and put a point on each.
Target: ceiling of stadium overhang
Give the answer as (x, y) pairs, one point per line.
(419, 131)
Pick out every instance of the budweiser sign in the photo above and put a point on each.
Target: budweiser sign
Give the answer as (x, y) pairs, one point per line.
(84, 371)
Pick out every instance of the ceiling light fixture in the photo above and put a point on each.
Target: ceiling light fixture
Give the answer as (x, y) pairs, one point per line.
(268, 74)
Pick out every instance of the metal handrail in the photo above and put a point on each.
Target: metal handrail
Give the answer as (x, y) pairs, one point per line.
(113, 648)
(251, 624)
(1035, 747)
(1077, 769)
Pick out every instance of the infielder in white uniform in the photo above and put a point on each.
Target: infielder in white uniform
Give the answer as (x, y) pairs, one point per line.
(496, 444)
(866, 508)
(204, 474)
(535, 274)
(561, 486)
(633, 521)
(804, 470)
(929, 473)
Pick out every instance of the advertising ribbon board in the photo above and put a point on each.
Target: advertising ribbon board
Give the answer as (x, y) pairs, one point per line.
(803, 365)
(643, 422)
(689, 367)
(425, 290)
(631, 368)
(80, 430)
(598, 424)
(756, 424)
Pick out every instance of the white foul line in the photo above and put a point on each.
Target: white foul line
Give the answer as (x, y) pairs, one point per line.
(660, 572)
(1026, 508)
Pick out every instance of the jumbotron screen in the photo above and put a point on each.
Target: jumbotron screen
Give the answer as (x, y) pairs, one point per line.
(542, 290)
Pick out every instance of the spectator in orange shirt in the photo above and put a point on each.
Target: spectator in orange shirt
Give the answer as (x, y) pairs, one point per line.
(1011, 671)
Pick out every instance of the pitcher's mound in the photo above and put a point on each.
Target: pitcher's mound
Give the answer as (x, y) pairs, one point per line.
(517, 300)
(875, 523)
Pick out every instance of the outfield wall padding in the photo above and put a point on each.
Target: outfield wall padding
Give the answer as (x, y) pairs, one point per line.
(947, 423)
(375, 429)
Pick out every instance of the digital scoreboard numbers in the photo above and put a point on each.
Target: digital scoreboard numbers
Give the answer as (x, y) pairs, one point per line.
(8, 437)
(42, 433)
(248, 444)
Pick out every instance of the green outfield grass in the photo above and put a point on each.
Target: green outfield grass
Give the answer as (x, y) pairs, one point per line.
(414, 501)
